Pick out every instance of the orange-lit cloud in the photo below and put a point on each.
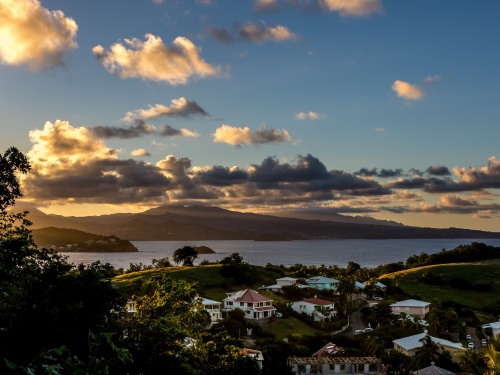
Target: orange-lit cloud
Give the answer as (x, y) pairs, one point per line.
(238, 136)
(139, 152)
(352, 8)
(33, 36)
(253, 32)
(407, 90)
(153, 60)
(265, 5)
(308, 116)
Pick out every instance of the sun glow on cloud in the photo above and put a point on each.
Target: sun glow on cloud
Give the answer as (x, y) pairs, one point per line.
(407, 90)
(33, 36)
(352, 7)
(154, 61)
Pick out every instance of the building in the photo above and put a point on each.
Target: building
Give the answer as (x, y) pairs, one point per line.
(318, 308)
(328, 350)
(131, 307)
(335, 365)
(491, 329)
(411, 307)
(433, 370)
(256, 355)
(213, 308)
(323, 283)
(283, 281)
(409, 345)
(255, 305)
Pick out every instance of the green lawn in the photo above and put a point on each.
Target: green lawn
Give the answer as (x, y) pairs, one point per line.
(283, 328)
(479, 272)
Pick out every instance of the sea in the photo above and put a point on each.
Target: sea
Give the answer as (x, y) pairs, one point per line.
(367, 253)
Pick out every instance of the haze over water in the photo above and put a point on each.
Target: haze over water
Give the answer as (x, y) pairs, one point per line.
(367, 253)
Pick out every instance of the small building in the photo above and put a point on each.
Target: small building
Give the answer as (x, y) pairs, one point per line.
(433, 370)
(411, 307)
(328, 350)
(491, 329)
(213, 308)
(318, 308)
(256, 355)
(335, 365)
(323, 283)
(409, 345)
(255, 305)
(131, 307)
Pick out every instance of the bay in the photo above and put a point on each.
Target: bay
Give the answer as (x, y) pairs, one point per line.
(367, 253)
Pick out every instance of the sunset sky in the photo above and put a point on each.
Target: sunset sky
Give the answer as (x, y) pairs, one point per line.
(388, 109)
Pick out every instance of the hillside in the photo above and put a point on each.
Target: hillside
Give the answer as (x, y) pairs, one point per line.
(213, 223)
(72, 240)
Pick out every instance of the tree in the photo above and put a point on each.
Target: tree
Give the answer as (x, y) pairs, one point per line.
(474, 362)
(185, 255)
(426, 354)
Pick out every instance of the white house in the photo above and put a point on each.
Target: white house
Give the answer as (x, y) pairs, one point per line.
(281, 282)
(409, 345)
(318, 308)
(213, 308)
(131, 307)
(256, 355)
(255, 305)
(411, 307)
(335, 365)
(323, 283)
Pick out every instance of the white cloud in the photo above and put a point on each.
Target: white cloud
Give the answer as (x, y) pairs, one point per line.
(380, 130)
(153, 60)
(407, 90)
(180, 107)
(433, 79)
(140, 152)
(238, 136)
(356, 8)
(308, 116)
(33, 36)
(277, 33)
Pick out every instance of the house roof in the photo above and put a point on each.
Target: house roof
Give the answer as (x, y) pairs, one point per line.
(327, 350)
(494, 325)
(317, 301)
(359, 285)
(413, 342)
(287, 279)
(433, 370)
(257, 354)
(410, 303)
(207, 301)
(321, 280)
(249, 295)
(330, 360)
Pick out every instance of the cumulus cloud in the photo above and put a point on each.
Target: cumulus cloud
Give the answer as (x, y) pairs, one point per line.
(265, 5)
(253, 33)
(407, 90)
(352, 8)
(308, 116)
(153, 60)
(70, 164)
(139, 152)
(239, 136)
(168, 131)
(33, 36)
(180, 107)
(438, 170)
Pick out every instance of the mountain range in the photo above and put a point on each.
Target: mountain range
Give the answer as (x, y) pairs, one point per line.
(214, 223)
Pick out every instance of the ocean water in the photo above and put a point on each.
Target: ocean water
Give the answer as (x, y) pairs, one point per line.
(367, 253)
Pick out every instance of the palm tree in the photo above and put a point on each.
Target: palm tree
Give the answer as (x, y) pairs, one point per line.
(474, 362)
(492, 355)
(427, 353)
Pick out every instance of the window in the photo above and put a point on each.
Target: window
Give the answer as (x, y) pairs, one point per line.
(230, 303)
(242, 303)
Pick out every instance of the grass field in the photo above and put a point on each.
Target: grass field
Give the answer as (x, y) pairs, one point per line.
(478, 272)
(282, 328)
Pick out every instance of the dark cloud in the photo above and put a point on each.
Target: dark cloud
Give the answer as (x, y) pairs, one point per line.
(101, 181)
(389, 173)
(138, 130)
(438, 170)
(220, 35)
(221, 176)
(168, 131)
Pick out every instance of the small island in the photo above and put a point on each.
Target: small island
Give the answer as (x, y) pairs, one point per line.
(72, 241)
(204, 250)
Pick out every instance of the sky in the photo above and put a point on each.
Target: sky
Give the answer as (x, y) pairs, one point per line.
(388, 109)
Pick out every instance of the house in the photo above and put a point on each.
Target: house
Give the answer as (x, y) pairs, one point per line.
(335, 365)
(283, 281)
(255, 355)
(491, 329)
(328, 350)
(255, 305)
(213, 308)
(377, 285)
(318, 308)
(433, 370)
(131, 307)
(411, 307)
(323, 283)
(409, 345)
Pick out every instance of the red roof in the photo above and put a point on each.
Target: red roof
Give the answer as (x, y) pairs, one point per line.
(251, 296)
(318, 301)
(327, 350)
